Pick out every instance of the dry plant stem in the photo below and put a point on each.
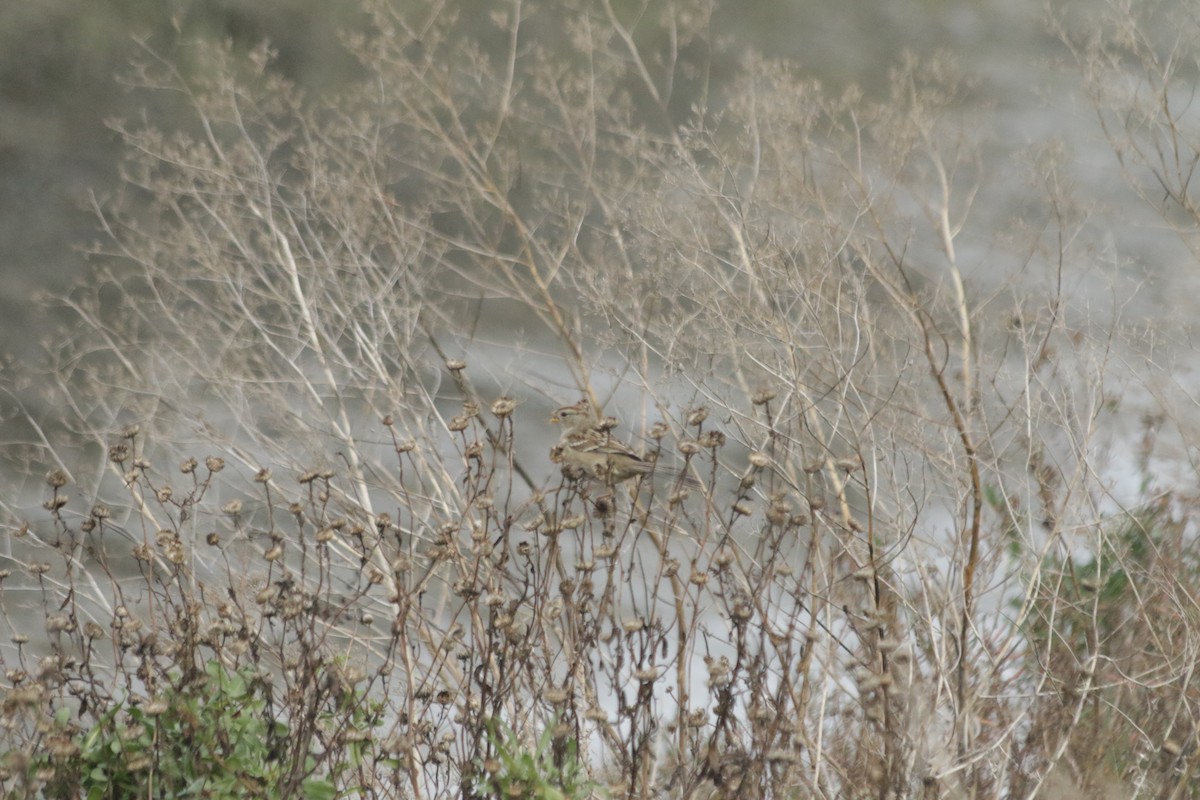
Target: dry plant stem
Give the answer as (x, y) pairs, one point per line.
(465, 387)
(474, 166)
(930, 333)
(955, 407)
(827, 640)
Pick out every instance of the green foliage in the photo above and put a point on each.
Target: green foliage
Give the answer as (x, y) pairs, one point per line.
(540, 774)
(204, 737)
(1097, 592)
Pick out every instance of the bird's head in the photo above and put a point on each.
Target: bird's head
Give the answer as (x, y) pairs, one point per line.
(575, 417)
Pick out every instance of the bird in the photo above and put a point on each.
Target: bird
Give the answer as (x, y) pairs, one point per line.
(587, 444)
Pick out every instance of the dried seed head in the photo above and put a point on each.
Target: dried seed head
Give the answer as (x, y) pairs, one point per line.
(712, 439)
(405, 447)
(188, 466)
(163, 494)
(847, 464)
(759, 460)
(213, 538)
(689, 447)
(455, 365)
(503, 406)
(56, 478)
(308, 476)
(274, 554)
(816, 503)
(649, 675)
(262, 476)
(762, 397)
(388, 421)
(214, 463)
(155, 707)
(131, 431)
(697, 415)
(658, 430)
(459, 423)
(743, 508)
(718, 670)
(815, 466)
(61, 748)
(55, 503)
(633, 625)
(232, 507)
(118, 453)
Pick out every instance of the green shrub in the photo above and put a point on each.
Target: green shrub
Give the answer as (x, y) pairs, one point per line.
(550, 771)
(208, 735)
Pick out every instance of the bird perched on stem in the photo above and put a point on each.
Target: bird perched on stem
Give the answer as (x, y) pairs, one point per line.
(586, 443)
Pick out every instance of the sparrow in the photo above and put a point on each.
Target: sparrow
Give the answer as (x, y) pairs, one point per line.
(586, 443)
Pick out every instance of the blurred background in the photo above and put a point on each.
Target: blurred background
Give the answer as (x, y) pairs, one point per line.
(1080, 371)
(60, 62)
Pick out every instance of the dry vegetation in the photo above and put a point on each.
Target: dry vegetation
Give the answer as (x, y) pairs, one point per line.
(299, 512)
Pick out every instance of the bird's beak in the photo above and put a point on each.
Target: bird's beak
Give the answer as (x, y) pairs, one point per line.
(554, 418)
